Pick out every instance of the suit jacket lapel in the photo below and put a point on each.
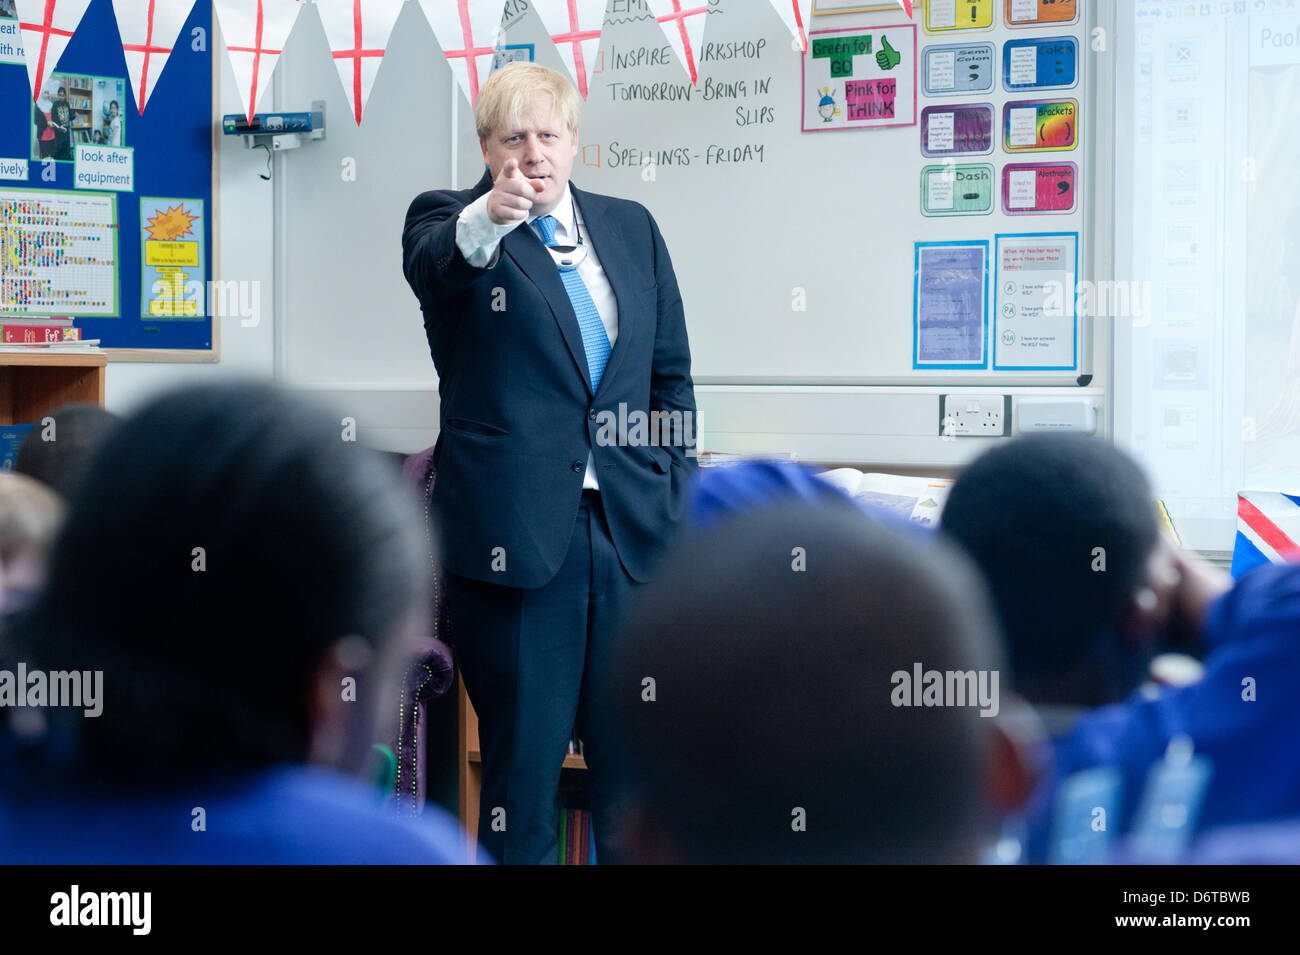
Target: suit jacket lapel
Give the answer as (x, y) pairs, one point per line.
(607, 239)
(525, 247)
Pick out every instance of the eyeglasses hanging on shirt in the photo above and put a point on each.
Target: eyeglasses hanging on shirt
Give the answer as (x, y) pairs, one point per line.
(569, 256)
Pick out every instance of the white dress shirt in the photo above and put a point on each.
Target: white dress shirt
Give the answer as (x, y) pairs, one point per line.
(479, 240)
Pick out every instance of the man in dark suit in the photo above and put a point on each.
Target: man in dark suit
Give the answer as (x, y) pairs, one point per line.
(566, 439)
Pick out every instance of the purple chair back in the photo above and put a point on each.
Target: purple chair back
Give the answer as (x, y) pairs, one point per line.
(432, 672)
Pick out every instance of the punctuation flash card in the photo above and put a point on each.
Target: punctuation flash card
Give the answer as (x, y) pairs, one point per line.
(957, 130)
(958, 68)
(1040, 188)
(1040, 64)
(957, 189)
(1040, 13)
(1040, 125)
(946, 16)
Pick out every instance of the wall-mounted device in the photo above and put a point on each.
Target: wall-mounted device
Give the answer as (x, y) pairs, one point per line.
(1079, 415)
(277, 131)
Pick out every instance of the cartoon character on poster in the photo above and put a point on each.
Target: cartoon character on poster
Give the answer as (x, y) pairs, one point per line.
(826, 106)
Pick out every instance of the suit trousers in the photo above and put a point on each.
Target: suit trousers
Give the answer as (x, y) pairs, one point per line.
(530, 659)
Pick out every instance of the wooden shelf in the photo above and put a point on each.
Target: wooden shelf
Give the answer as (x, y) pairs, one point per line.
(33, 384)
(47, 356)
(571, 761)
(470, 765)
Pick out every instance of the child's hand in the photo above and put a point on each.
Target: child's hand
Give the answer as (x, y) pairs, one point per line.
(1185, 586)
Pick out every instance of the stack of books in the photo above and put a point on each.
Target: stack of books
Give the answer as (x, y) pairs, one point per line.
(12, 437)
(576, 845)
(29, 330)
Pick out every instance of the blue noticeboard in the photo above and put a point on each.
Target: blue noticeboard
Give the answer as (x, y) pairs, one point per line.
(171, 145)
(1042, 63)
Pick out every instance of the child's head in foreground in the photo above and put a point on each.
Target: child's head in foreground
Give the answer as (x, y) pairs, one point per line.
(1064, 529)
(232, 564)
(756, 696)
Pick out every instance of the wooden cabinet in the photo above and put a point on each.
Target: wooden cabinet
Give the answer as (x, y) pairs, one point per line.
(470, 765)
(33, 384)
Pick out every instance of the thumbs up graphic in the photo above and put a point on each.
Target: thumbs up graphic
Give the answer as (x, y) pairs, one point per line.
(888, 57)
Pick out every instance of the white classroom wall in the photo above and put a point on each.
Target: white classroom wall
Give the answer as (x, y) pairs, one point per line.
(338, 320)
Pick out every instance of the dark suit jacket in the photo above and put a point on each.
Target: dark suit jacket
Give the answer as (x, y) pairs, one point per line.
(517, 414)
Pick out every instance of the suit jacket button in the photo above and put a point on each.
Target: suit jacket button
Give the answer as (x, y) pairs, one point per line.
(592, 414)
(578, 465)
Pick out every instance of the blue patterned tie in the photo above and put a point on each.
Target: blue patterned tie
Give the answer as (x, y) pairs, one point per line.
(595, 340)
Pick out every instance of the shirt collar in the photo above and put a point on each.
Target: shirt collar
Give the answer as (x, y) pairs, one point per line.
(563, 213)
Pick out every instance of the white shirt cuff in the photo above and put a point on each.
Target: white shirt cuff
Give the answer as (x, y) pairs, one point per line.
(477, 236)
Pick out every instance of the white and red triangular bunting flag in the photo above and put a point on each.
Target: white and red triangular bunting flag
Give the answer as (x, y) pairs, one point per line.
(683, 24)
(575, 26)
(255, 31)
(468, 31)
(149, 29)
(47, 27)
(357, 42)
(792, 15)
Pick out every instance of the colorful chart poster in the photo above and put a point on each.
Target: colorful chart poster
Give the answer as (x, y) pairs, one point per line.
(1040, 188)
(957, 68)
(945, 16)
(957, 189)
(1040, 125)
(1040, 64)
(950, 305)
(1034, 13)
(173, 284)
(1036, 325)
(957, 130)
(860, 79)
(58, 253)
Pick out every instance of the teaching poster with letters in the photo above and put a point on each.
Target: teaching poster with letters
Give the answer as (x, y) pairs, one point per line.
(1036, 325)
(950, 323)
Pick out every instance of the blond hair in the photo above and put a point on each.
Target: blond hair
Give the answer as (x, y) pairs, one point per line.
(511, 91)
(30, 515)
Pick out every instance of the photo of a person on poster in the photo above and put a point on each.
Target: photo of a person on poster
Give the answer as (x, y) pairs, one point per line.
(74, 109)
(61, 120)
(113, 124)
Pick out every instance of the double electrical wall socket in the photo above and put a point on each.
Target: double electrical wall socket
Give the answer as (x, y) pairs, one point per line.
(974, 416)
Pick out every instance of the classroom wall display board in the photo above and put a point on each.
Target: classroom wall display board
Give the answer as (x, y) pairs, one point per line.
(106, 214)
(895, 202)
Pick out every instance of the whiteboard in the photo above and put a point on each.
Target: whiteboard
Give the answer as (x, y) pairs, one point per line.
(796, 251)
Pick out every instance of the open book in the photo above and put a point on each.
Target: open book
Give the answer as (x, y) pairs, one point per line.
(916, 499)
